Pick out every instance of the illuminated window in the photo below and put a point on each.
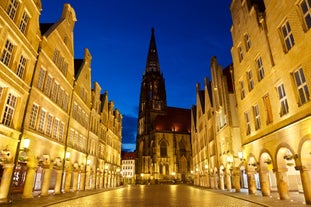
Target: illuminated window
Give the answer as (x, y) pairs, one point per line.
(248, 42)
(55, 128)
(163, 149)
(288, 37)
(267, 103)
(55, 56)
(41, 79)
(9, 110)
(65, 103)
(241, 54)
(76, 140)
(41, 120)
(261, 71)
(21, 67)
(248, 123)
(48, 85)
(71, 137)
(7, 53)
(33, 116)
(60, 97)
(283, 100)
(242, 89)
(54, 91)
(12, 8)
(302, 87)
(305, 6)
(257, 117)
(24, 22)
(250, 80)
(61, 132)
(49, 124)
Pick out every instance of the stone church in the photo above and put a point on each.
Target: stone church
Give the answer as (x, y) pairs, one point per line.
(163, 142)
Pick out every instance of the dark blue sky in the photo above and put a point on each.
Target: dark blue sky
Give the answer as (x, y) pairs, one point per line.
(117, 33)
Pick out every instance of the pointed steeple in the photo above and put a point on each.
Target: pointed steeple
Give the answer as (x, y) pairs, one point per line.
(152, 59)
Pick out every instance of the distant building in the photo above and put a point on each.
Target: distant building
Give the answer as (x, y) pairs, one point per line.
(128, 167)
(163, 143)
(58, 134)
(272, 78)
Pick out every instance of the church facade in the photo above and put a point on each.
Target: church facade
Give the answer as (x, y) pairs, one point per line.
(163, 143)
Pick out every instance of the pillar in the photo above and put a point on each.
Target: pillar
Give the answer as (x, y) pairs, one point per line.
(97, 179)
(75, 181)
(212, 181)
(251, 182)
(46, 180)
(282, 184)
(306, 180)
(101, 180)
(87, 181)
(264, 182)
(236, 179)
(228, 180)
(57, 188)
(221, 182)
(30, 178)
(5, 182)
(82, 181)
(67, 180)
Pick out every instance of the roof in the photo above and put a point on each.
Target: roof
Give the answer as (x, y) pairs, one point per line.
(44, 27)
(176, 119)
(228, 74)
(128, 155)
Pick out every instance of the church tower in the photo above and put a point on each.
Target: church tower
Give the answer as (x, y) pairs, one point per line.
(163, 146)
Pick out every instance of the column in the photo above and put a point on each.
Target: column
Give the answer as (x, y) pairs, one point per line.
(68, 171)
(251, 182)
(212, 181)
(264, 182)
(30, 178)
(282, 184)
(101, 180)
(82, 181)
(87, 181)
(46, 180)
(236, 179)
(221, 182)
(75, 181)
(57, 188)
(306, 180)
(228, 180)
(97, 179)
(5, 182)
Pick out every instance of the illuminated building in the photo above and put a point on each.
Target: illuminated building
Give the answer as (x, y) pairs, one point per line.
(163, 143)
(57, 133)
(128, 167)
(272, 78)
(216, 140)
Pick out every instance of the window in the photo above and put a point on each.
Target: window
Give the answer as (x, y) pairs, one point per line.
(41, 120)
(257, 117)
(242, 90)
(283, 100)
(54, 91)
(55, 129)
(248, 42)
(266, 100)
(33, 116)
(163, 149)
(49, 124)
(7, 53)
(55, 56)
(261, 71)
(250, 80)
(241, 55)
(65, 104)
(248, 123)
(12, 8)
(60, 97)
(48, 85)
(24, 22)
(71, 135)
(302, 87)
(305, 6)
(21, 67)
(287, 36)
(61, 132)
(41, 79)
(9, 110)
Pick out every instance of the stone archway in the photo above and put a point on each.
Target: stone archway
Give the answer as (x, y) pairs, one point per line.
(251, 171)
(266, 173)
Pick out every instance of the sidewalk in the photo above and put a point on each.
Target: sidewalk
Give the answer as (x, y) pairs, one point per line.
(296, 199)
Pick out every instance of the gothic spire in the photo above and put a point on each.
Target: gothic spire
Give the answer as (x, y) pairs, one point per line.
(152, 59)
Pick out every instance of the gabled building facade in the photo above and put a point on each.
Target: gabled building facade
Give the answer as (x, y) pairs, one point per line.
(272, 79)
(163, 143)
(58, 134)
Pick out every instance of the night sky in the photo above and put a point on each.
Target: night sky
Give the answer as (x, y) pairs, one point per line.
(117, 33)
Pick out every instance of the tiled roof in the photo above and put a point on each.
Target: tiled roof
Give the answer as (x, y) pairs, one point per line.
(176, 119)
